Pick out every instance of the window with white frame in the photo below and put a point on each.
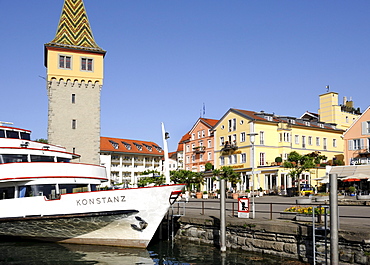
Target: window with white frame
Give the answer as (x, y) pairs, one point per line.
(262, 159)
(222, 160)
(334, 142)
(201, 157)
(232, 125)
(324, 142)
(209, 155)
(222, 140)
(296, 139)
(286, 137)
(193, 136)
(230, 160)
(309, 140)
(262, 137)
(234, 138)
(209, 143)
(356, 144)
(365, 128)
(193, 158)
(317, 141)
(187, 148)
(209, 132)
(198, 134)
(242, 137)
(235, 159)
(243, 158)
(187, 159)
(203, 133)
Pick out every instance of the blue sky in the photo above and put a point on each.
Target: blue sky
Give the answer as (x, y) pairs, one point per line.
(166, 58)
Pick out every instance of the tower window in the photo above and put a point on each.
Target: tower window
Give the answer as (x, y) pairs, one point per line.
(86, 64)
(74, 124)
(73, 98)
(64, 61)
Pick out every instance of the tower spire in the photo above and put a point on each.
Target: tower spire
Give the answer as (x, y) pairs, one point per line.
(74, 28)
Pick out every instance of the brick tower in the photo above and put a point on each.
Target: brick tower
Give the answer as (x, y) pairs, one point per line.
(74, 65)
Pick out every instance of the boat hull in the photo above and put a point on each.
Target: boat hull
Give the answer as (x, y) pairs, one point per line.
(127, 218)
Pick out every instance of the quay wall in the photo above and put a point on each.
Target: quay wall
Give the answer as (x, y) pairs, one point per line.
(280, 238)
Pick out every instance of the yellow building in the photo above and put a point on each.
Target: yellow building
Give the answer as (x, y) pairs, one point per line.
(276, 136)
(330, 111)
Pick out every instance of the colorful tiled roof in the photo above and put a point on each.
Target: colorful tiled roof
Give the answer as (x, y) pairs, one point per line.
(109, 144)
(74, 29)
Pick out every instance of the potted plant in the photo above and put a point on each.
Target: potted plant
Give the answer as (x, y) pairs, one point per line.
(205, 195)
(351, 190)
(278, 160)
(260, 192)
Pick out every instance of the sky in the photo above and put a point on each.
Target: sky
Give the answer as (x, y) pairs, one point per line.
(167, 58)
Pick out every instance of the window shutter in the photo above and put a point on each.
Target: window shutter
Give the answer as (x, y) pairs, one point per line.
(350, 144)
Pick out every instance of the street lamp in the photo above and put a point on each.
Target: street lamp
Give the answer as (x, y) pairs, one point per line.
(252, 138)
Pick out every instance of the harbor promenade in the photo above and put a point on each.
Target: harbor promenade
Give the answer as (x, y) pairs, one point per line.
(354, 216)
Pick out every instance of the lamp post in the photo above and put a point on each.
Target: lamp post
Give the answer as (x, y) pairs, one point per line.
(166, 170)
(252, 138)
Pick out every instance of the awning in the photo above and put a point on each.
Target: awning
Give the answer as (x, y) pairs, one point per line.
(350, 180)
(360, 171)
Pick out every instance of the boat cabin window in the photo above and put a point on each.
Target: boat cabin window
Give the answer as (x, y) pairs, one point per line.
(36, 158)
(47, 190)
(62, 159)
(2, 134)
(73, 188)
(12, 134)
(7, 193)
(25, 136)
(10, 158)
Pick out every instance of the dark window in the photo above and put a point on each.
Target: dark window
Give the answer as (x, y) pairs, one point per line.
(62, 159)
(73, 188)
(12, 134)
(7, 193)
(10, 158)
(25, 136)
(47, 190)
(64, 61)
(73, 98)
(2, 134)
(86, 64)
(74, 124)
(36, 158)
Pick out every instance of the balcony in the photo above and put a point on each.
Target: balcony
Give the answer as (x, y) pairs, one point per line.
(229, 148)
(199, 149)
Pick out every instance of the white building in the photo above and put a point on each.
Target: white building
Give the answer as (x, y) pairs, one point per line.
(126, 159)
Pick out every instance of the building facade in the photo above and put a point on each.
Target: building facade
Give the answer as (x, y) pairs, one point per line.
(75, 65)
(357, 141)
(125, 160)
(330, 111)
(198, 146)
(276, 136)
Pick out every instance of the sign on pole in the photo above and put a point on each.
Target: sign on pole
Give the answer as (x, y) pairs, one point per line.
(243, 207)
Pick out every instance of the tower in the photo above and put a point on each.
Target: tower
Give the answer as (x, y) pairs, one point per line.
(74, 65)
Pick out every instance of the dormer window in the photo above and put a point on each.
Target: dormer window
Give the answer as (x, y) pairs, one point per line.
(291, 121)
(307, 123)
(269, 118)
(139, 147)
(157, 148)
(114, 144)
(150, 149)
(128, 146)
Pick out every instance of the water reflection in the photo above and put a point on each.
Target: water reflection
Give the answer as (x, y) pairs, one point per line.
(182, 253)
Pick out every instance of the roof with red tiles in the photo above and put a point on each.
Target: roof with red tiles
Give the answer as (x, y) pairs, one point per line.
(109, 144)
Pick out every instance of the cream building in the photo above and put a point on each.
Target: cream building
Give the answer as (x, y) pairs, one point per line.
(75, 65)
(125, 159)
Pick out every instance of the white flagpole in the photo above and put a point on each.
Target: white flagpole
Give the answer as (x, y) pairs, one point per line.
(166, 170)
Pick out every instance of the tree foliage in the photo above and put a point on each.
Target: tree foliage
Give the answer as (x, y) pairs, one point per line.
(156, 179)
(297, 164)
(227, 173)
(187, 177)
(42, 140)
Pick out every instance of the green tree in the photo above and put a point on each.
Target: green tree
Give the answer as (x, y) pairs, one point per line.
(42, 140)
(208, 166)
(297, 164)
(187, 177)
(155, 179)
(227, 173)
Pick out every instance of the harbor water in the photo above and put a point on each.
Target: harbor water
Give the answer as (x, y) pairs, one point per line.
(160, 252)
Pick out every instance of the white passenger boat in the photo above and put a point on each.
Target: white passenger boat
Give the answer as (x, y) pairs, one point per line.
(43, 196)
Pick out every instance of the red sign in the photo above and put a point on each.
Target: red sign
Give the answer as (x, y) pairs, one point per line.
(243, 205)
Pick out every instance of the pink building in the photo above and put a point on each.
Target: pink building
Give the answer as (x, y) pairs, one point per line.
(198, 146)
(357, 141)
